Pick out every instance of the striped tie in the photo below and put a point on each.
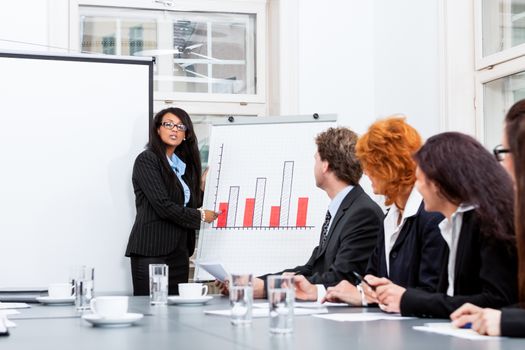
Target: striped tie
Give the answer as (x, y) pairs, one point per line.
(324, 230)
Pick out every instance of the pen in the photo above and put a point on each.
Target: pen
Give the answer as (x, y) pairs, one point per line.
(361, 279)
(467, 325)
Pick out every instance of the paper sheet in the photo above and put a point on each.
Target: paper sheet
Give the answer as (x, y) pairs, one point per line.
(4, 306)
(361, 317)
(264, 312)
(214, 269)
(448, 328)
(303, 305)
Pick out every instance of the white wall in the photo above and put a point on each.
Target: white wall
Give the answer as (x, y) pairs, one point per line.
(368, 59)
(336, 65)
(407, 62)
(24, 21)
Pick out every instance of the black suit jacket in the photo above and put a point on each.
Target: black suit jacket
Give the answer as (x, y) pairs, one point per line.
(162, 223)
(513, 322)
(351, 238)
(485, 275)
(415, 258)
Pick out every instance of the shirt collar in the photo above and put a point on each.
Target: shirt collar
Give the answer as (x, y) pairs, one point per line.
(411, 207)
(177, 164)
(462, 208)
(338, 199)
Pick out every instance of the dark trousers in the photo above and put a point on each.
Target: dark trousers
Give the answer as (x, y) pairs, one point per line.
(178, 270)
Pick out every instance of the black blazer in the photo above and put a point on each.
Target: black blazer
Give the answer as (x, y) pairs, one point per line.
(485, 275)
(415, 257)
(351, 238)
(512, 322)
(162, 223)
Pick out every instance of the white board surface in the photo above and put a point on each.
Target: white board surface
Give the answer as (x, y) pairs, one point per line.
(70, 129)
(261, 176)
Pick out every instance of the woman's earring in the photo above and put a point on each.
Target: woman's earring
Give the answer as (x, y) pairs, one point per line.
(184, 139)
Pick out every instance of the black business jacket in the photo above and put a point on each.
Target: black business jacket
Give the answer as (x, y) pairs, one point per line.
(351, 239)
(513, 322)
(416, 257)
(485, 275)
(162, 223)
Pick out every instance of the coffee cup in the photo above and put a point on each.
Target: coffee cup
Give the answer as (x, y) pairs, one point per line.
(112, 306)
(60, 290)
(192, 290)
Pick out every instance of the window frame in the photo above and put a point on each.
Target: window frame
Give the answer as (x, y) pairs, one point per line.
(496, 58)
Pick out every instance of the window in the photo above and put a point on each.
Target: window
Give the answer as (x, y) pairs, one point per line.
(500, 64)
(205, 51)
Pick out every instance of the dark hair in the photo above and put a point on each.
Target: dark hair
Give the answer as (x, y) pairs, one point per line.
(465, 172)
(187, 151)
(515, 132)
(337, 147)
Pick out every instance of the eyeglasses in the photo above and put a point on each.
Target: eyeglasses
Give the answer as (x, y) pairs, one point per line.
(499, 152)
(171, 125)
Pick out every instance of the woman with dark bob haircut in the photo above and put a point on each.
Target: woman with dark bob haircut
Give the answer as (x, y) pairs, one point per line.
(167, 183)
(459, 178)
(511, 154)
(408, 245)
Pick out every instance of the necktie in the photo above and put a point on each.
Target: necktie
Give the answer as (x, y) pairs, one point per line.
(324, 230)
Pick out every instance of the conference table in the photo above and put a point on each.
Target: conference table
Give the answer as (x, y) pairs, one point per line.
(187, 327)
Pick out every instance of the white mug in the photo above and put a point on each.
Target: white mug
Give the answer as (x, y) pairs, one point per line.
(60, 290)
(112, 306)
(192, 290)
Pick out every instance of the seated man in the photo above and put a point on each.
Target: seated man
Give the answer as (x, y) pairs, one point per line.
(353, 220)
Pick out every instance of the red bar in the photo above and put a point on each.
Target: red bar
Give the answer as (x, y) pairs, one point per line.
(248, 212)
(275, 212)
(302, 208)
(221, 219)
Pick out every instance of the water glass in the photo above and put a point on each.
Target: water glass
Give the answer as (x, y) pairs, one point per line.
(241, 298)
(158, 284)
(84, 281)
(281, 295)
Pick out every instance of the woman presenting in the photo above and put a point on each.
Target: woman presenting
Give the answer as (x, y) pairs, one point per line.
(167, 185)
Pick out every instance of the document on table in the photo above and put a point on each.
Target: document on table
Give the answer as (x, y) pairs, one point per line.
(215, 269)
(365, 316)
(303, 305)
(447, 328)
(4, 306)
(265, 312)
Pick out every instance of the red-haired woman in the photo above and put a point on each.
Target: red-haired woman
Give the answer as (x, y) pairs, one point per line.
(407, 248)
(511, 154)
(459, 178)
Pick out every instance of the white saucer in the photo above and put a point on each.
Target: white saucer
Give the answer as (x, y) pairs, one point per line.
(122, 321)
(50, 300)
(197, 300)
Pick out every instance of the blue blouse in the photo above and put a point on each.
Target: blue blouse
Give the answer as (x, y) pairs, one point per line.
(179, 167)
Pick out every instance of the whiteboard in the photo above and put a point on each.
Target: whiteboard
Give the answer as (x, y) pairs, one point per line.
(70, 129)
(261, 178)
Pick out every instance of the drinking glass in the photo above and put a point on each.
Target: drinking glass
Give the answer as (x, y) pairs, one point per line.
(281, 295)
(241, 298)
(158, 284)
(84, 281)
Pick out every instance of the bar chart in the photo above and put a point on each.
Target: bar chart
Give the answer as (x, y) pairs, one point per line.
(261, 180)
(248, 213)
